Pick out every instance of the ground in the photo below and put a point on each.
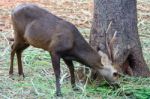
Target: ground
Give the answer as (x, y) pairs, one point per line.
(39, 81)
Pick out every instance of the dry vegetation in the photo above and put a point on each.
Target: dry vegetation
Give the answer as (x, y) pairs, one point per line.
(39, 82)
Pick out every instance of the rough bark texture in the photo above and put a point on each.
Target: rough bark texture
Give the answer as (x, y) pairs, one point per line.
(126, 50)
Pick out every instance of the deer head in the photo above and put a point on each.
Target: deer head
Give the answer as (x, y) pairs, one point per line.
(108, 72)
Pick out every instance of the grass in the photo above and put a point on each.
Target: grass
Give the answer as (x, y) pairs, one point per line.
(39, 81)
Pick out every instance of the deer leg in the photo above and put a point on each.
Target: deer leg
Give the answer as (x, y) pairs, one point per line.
(19, 53)
(13, 51)
(71, 69)
(56, 66)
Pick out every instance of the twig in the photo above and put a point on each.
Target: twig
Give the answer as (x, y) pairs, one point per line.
(36, 91)
(62, 78)
(144, 35)
(5, 39)
(87, 78)
(45, 72)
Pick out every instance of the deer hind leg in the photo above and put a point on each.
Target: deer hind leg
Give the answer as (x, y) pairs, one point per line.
(17, 48)
(13, 51)
(19, 53)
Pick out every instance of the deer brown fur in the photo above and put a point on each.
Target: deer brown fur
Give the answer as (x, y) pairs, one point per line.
(38, 27)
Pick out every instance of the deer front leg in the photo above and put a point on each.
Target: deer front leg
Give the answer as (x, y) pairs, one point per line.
(71, 69)
(56, 66)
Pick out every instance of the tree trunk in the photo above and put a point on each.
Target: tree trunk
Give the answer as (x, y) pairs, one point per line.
(126, 50)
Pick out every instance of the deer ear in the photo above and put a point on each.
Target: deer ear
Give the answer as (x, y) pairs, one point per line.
(104, 58)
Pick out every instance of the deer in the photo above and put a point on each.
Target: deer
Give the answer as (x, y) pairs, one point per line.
(40, 28)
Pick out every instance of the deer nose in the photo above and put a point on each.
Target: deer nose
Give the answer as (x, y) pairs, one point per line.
(116, 74)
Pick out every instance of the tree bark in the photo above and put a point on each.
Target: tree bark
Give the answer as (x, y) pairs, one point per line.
(126, 50)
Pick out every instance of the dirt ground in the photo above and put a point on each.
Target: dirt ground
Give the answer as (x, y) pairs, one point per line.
(78, 13)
